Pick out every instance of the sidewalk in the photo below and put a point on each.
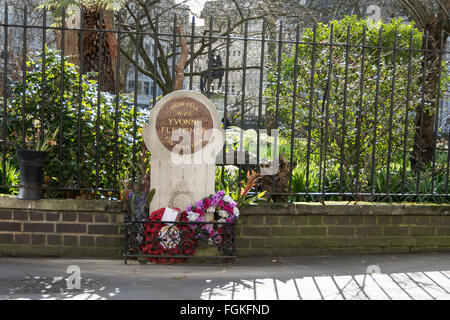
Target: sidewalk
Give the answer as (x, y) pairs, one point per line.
(405, 276)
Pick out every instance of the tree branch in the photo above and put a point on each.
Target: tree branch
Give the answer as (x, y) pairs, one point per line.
(179, 67)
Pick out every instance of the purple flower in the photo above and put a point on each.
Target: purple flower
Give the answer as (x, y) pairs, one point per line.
(215, 200)
(208, 228)
(220, 193)
(199, 204)
(188, 208)
(232, 204)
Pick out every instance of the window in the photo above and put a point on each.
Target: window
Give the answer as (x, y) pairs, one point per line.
(147, 88)
(130, 84)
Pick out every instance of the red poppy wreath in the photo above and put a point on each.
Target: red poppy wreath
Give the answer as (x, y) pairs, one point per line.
(168, 239)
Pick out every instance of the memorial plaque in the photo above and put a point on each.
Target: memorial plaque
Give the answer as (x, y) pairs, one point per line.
(186, 115)
(178, 116)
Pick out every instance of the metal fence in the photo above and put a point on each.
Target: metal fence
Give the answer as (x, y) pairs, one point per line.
(350, 105)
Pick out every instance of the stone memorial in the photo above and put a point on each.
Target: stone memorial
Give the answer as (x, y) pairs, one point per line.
(184, 136)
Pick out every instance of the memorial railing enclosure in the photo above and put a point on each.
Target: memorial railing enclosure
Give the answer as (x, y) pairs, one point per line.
(360, 111)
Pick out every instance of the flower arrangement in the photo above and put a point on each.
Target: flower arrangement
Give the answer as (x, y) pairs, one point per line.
(215, 208)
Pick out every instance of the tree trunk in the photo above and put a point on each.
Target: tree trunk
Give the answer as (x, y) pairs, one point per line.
(91, 49)
(424, 123)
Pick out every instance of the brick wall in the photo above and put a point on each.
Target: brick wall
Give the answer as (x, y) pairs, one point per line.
(92, 228)
(61, 228)
(340, 227)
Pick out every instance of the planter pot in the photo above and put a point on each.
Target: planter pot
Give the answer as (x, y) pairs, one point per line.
(31, 165)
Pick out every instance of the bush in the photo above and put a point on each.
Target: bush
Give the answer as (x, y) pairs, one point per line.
(362, 116)
(87, 111)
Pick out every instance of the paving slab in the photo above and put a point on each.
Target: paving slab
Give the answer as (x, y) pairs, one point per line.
(354, 277)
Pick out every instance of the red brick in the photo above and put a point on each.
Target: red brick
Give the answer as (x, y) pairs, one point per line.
(38, 227)
(101, 217)
(5, 215)
(287, 221)
(342, 220)
(6, 238)
(329, 220)
(370, 221)
(109, 229)
(110, 241)
(446, 220)
(21, 238)
(252, 220)
(313, 231)
(36, 216)
(409, 220)
(436, 220)
(85, 217)
(70, 228)
(20, 215)
(341, 231)
(422, 220)
(54, 239)
(272, 220)
(69, 216)
(9, 226)
(38, 239)
(87, 240)
(397, 220)
(301, 220)
(443, 231)
(422, 231)
(52, 216)
(70, 240)
(395, 231)
(257, 232)
(357, 220)
(368, 231)
(384, 220)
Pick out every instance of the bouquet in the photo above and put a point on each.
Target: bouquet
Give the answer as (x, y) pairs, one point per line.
(217, 208)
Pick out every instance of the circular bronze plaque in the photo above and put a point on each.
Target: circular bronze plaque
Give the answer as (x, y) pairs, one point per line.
(181, 118)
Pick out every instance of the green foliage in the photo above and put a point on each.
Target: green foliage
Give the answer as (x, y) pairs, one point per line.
(57, 7)
(11, 176)
(78, 105)
(361, 116)
(401, 181)
(238, 188)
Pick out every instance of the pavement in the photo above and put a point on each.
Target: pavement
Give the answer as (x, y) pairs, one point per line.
(356, 277)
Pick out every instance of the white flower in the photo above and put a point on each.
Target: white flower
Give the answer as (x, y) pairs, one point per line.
(227, 199)
(211, 209)
(223, 214)
(192, 216)
(236, 212)
(222, 220)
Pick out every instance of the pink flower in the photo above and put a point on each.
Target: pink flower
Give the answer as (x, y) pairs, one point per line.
(206, 203)
(198, 210)
(228, 208)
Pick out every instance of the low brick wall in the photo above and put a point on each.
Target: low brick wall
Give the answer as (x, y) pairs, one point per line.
(342, 228)
(92, 228)
(61, 227)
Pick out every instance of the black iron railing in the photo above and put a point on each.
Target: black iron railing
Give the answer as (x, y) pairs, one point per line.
(168, 242)
(351, 114)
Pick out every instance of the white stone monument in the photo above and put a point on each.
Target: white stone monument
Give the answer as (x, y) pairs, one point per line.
(184, 136)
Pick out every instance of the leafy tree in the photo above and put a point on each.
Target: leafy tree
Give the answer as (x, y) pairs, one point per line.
(345, 111)
(70, 101)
